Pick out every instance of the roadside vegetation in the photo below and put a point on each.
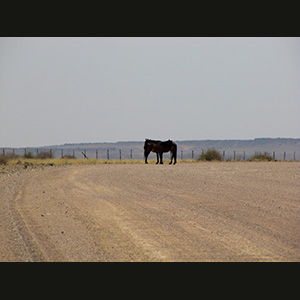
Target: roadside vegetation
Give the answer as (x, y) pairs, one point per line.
(211, 155)
(261, 157)
(47, 159)
(66, 160)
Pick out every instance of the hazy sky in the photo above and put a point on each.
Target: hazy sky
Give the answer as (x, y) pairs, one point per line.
(71, 90)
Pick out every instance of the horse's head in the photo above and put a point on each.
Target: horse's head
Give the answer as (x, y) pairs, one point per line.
(147, 147)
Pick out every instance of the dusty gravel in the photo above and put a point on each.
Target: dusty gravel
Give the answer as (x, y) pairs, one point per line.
(230, 211)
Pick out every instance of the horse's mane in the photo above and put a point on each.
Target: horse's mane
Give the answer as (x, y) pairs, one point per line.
(158, 141)
(152, 141)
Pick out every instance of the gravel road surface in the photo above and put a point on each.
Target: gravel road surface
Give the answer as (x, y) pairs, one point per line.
(229, 211)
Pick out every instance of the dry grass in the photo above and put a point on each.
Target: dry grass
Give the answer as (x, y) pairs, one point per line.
(67, 161)
(82, 161)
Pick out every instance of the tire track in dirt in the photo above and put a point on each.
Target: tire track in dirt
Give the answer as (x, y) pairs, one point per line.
(17, 243)
(12, 246)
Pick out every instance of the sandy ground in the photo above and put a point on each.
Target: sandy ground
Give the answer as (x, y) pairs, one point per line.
(231, 211)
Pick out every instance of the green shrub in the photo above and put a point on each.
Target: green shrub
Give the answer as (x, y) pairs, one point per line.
(211, 155)
(28, 155)
(261, 156)
(5, 158)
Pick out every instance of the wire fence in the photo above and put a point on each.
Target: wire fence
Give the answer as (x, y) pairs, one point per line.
(114, 153)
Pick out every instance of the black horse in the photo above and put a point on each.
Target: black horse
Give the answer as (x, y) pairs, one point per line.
(159, 148)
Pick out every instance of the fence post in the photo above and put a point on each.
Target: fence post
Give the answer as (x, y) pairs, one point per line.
(284, 155)
(120, 154)
(131, 154)
(96, 153)
(181, 154)
(244, 155)
(192, 154)
(233, 155)
(223, 154)
(274, 155)
(107, 153)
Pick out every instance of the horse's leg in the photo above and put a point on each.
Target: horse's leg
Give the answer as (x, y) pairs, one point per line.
(174, 154)
(157, 158)
(146, 157)
(161, 158)
(171, 157)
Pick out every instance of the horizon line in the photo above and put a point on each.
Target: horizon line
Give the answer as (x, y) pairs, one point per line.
(194, 140)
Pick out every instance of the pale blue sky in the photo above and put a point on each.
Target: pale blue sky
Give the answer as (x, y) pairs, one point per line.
(72, 90)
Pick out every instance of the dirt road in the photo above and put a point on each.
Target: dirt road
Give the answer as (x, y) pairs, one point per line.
(236, 211)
